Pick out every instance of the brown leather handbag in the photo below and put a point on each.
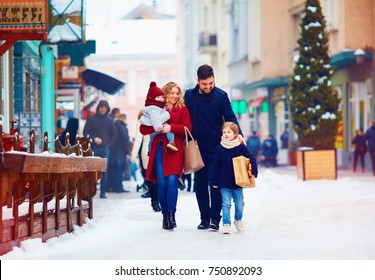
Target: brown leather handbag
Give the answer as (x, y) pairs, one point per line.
(193, 159)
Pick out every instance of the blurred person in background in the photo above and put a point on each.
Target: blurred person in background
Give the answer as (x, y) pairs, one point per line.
(102, 130)
(360, 150)
(140, 151)
(370, 139)
(119, 152)
(269, 151)
(253, 144)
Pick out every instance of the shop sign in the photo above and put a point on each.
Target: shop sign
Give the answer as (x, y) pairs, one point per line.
(23, 15)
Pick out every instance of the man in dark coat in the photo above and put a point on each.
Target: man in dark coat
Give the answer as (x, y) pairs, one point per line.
(101, 128)
(370, 139)
(118, 155)
(209, 108)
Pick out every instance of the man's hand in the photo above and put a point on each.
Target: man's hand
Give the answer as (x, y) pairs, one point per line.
(240, 137)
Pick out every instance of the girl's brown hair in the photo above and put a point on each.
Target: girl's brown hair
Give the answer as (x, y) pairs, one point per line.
(232, 126)
(167, 89)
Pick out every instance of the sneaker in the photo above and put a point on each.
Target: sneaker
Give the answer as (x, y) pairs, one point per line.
(239, 225)
(226, 229)
(172, 146)
(214, 225)
(203, 225)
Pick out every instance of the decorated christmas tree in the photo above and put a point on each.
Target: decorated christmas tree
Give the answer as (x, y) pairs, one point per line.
(314, 104)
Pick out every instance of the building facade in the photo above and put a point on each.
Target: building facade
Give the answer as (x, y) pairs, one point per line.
(261, 42)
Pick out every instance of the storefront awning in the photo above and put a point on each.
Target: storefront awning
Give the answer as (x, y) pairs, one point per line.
(346, 58)
(102, 81)
(257, 101)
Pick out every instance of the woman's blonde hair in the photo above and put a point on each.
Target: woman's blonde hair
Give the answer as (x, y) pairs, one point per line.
(232, 126)
(167, 89)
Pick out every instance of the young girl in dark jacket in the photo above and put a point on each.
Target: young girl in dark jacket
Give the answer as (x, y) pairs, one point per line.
(223, 174)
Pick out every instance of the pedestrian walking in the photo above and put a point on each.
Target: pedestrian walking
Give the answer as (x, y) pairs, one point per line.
(360, 150)
(253, 144)
(270, 151)
(209, 107)
(101, 128)
(223, 174)
(118, 155)
(140, 150)
(165, 166)
(370, 139)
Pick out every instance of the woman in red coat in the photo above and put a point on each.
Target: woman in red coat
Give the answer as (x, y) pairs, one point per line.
(165, 166)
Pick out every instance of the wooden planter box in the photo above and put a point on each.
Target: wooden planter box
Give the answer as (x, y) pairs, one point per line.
(317, 164)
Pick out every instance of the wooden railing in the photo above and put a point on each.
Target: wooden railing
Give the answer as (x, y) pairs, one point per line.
(46, 180)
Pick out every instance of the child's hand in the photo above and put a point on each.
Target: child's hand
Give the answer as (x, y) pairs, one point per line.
(166, 128)
(215, 187)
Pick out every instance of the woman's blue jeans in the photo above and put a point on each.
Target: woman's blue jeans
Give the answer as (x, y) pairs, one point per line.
(167, 185)
(227, 195)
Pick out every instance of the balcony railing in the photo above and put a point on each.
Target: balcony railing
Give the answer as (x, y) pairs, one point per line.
(207, 42)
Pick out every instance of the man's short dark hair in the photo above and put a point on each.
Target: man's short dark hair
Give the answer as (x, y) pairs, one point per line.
(204, 72)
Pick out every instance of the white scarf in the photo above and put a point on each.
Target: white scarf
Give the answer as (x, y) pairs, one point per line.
(230, 144)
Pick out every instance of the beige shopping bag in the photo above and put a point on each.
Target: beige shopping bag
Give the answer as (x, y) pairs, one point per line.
(242, 172)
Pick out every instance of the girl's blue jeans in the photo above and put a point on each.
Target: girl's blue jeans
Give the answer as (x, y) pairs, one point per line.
(227, 195)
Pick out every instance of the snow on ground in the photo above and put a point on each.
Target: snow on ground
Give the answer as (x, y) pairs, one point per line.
(324, 223)
(285, 219)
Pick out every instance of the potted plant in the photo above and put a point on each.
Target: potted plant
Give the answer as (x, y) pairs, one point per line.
(313, 103)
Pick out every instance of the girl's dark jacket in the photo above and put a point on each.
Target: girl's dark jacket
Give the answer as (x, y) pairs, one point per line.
(222, 166)
(208, 112)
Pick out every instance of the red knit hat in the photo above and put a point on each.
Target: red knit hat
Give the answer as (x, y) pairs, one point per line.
(153, 92)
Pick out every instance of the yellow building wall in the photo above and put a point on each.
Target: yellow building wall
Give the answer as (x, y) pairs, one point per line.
(359, 24)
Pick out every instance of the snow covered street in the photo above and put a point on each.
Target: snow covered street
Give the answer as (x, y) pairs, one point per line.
(285, 219)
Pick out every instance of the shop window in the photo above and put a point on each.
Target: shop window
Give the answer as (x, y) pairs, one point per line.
(27, 103)
(359, 106)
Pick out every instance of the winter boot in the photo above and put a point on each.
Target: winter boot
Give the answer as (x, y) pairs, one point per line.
(146, 194)
(155, 206)
(166, 221)
(172, 219)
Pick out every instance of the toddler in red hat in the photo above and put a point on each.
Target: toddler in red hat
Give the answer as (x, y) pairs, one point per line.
(155, 115)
